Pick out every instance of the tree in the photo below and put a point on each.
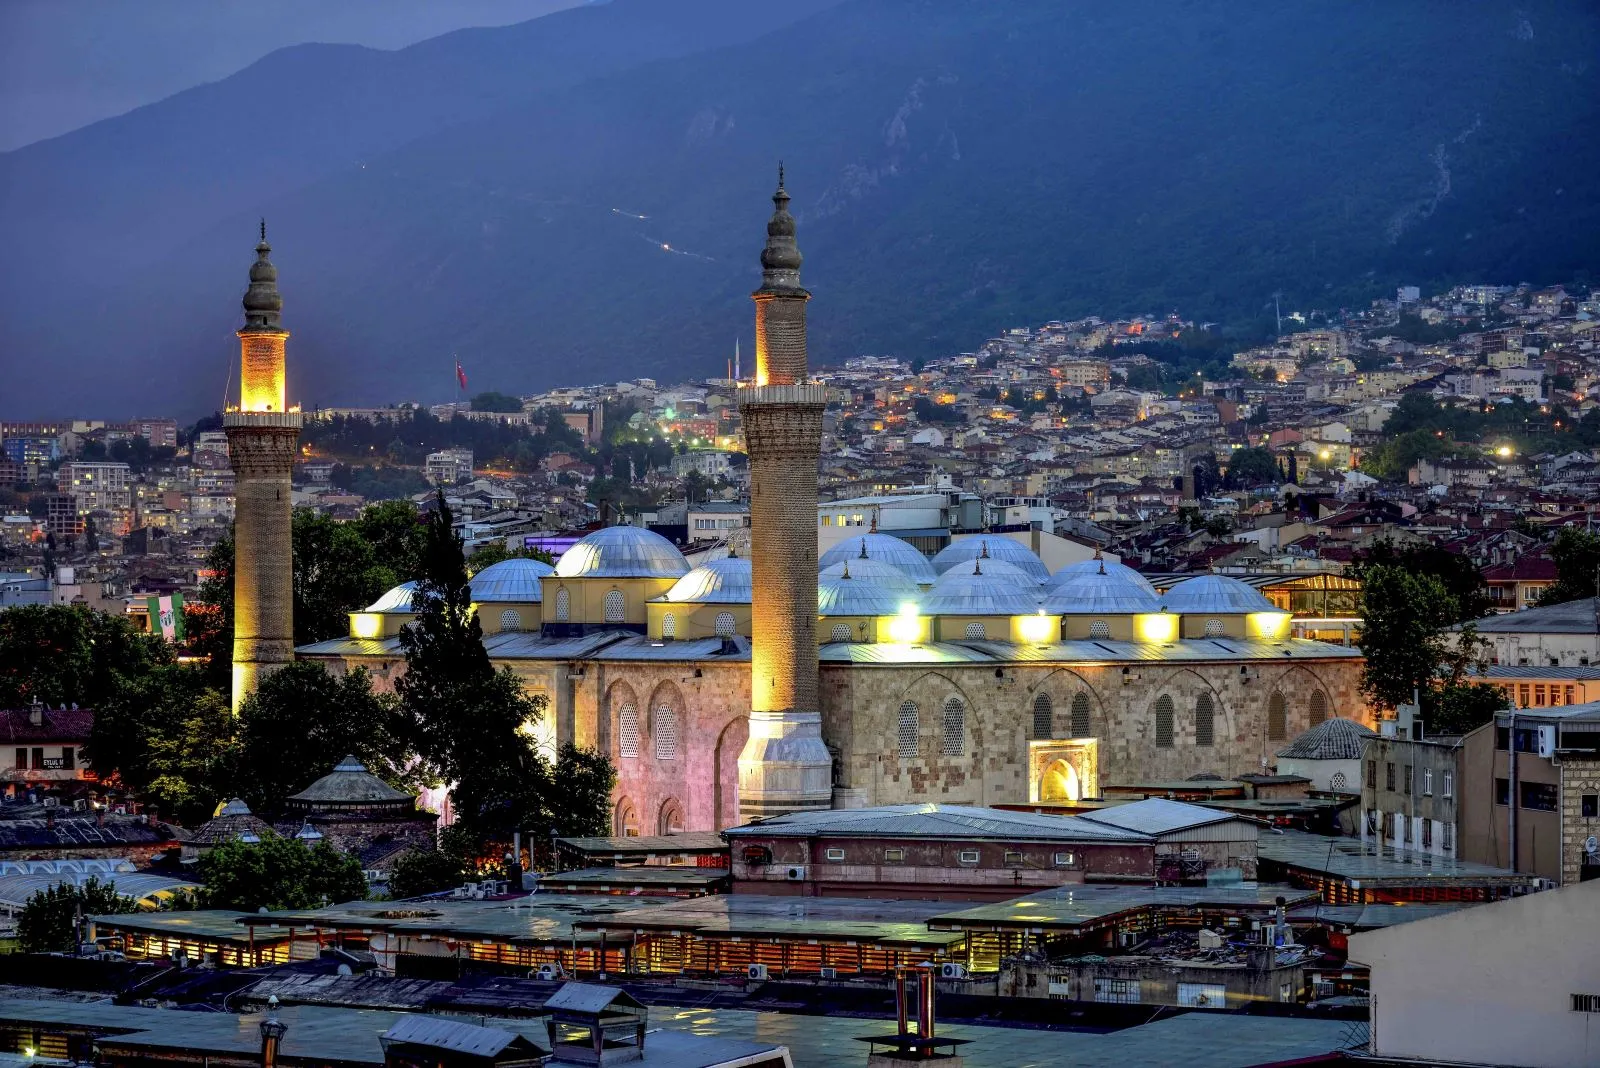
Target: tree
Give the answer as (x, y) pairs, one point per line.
(395, 532)
(62, 654)
(1577, 558)
(1458, 707)
(281, 749)
(167, 734)
(1461, 577)
(336, 572)
(1253, 467)
(51, 919)
(492, 401)
(493, 552)
(425, 871)
(91, 538)
(1406, 616)
(278, 873)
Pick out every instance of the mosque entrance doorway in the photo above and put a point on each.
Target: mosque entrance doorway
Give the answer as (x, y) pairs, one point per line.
(1060, 783)
(1063, 770)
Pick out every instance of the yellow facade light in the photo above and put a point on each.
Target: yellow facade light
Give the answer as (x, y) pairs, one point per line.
(906, 626)
(366, 625)
(1268, 624)
(1155, 626)
(1037, 629)
(1504, 452)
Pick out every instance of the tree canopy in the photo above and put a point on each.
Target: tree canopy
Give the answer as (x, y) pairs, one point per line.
(67, 654)
(494, 401)
(1577, 558)
(50, 918)
(1253, 467)
(278, 873)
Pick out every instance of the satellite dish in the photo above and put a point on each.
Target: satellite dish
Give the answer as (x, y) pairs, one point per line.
(1591, 845)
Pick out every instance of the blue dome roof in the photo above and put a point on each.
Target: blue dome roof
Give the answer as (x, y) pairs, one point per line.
(871, 572)
(988, 588)
(724, 581)
(1215, 595)
(1092, 567)
(622, 552)
(991, 547)
(885, 548)
(850, 596)
(1095, 594)
(396, 600)
(510, 580)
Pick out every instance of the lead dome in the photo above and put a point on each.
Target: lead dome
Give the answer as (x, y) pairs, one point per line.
(1094, 567)
(986, 549)
(870, 572)
(884, 548)
(622, 552)
(724, 581)
(984, 590)
(515, 581)
(1097, 593)
(1215, 595)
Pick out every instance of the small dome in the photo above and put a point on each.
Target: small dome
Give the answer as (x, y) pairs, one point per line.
(350, 784)
(1096, 594)
(510, 581)
(1093, 567)
(989, 588)
(622, 552)
(232, 822)
(846, 595)
(397, 600)
(884, 548)
(991, 547)
(1215, 595)
(871, 572)
(1332, 739)
(724, 581)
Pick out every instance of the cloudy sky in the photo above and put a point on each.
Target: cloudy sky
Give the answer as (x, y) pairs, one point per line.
(67, 63)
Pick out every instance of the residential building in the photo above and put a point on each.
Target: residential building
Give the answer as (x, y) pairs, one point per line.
(712, 463)
(1409, 794)
(449, 466)
(45, 745)
(97, 486)
(1558, 635)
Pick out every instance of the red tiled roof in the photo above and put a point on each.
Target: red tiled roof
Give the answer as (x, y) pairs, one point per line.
(57, 725)
(1525, 569)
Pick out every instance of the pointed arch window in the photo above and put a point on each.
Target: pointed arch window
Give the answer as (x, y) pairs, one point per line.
(669, 625)
(615, 605)
(1080, 715)
(665, 731)
(563, 605)
(628, 732)
(510, 620)
(725, 625)
(1319, 708)
(1205, 717)
(1043, 716)
(1164, 717)
(908, 730)
(954, 741)
(1277, 720)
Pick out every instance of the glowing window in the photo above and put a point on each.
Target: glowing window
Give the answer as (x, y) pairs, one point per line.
(510, 619)
(908, 731)
(628, 732)
(1080, 715)
(1214, 628)
(841, 632)
(669, 625)
(1277, 725)
(975, 630)
(1099, 629)
(615, 606)
(725, 625)
(666, 732)
(1043, 716)
(1205, 715)
(563, 605)
(954, 742)
(1319, 707)
(1164, 717)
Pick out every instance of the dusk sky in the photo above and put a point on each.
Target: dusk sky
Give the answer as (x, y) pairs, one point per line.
(66, 64)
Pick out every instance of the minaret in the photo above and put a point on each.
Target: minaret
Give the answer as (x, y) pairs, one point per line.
(784, 766)
(262, 436)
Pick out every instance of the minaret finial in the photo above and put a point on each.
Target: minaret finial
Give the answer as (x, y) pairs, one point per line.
(863, 548)
(984, 555)
(780, 260)
(263, 229)
(977, 567)
(846, 570)
(780, 174)
(263, 306)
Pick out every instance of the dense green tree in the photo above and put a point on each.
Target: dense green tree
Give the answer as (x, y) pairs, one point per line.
(493, 552)
(62, 654)
(425, 871)
(1461, 577)
(278, 873)
(394, 530)
(1252, 467)
(1577, 558)
(492, 401)
(1393, 459)
(167, 734)
(336, 572)
(1456, 707)
(1403, 636)
(51, 920)
(281, 749)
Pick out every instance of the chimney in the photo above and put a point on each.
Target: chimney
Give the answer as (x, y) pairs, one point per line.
(36, 713)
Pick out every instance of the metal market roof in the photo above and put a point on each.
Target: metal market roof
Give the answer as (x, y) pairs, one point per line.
(510, 581)
(453, 1035)
(1372, 864)
(873, 572)
(149, 891)
(1078, 905)
(235, 820)
(648, 844)
(1100, 593)
(723, 581)
(622, 552)
(991, 547)
(1156, 816)
(639, 877)
(397, 600)
(350, 783)
(884, 548)
(1090, 567)
(982, 588)
(932, 820)
(869, 921)
(1568, 617)
(1332, 739)
(1187, 650)
(1215, 595)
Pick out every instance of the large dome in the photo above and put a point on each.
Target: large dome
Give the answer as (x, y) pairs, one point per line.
(991, 547)
(1097, 593)
(846, 595)
(622, 552)
(987, 588)
(1215, 595)
(871, 572)
(885, 548)
(510, 581)
(396, 600)
(723, 581)
(1093, 567)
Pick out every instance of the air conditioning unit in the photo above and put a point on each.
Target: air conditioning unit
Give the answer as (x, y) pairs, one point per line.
(828, 973)
(795, 873)
(757, 972)
(1591, 845)
(952, 971)
(549, 972)
(1547, 740)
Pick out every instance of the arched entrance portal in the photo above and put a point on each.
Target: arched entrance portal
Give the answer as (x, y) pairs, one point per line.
(1063, 770)
(1059, 782)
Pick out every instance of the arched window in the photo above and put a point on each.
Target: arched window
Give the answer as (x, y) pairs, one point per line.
(975, 630)
(615, 606)
(625, 824)
(1080, 715)
(511, 619)
(1043, 715)
(1214, 628)
(909, 728)
(1164, 722)
(628, 732)
(665, 731)
(563, 605)
(954, 742)
(1319, 708)
(1277, 725)
(1205, 716)
(841, 632)
(669, 625)
(725, 625)
(1099, 629)
(670, 821)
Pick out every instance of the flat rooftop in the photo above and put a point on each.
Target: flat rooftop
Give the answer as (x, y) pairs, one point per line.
(646, 845)
(865, 921)
(638, 877)
(204, 925)
(1371, 864)
(1079, 906)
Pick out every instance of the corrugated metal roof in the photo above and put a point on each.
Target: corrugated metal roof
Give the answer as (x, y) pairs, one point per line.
(440, 1033)
(932, 820)
(1568, 617)
(1372, 863)
(1157, 816)
(590, 998)
(15, 890)
(386, 647)
(1079, 652)
(1076, 905)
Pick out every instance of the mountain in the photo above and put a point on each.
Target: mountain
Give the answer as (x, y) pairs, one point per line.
(957, 166)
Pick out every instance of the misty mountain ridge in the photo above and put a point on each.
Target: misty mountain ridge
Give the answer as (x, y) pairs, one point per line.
(956, 168)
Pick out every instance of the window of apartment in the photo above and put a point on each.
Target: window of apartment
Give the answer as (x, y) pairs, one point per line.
(68, 758)
(1427, 834)
(1117, 991)
(1586, 1003)
(1013, 858)
(1538, 695)
(38, 758)
(1202, 995)
(1589, 806)
(1448, 839)
(1449, 784)
(22, 759)
(894, 856)
(1524, 692)
(968, 856)
(1388, 776)
(1372, 774)
(1541, 796)
(833, 854)
(1502, 791)
(1427, 782)
(1065, 860)
(1388, 825)
(1407, 785)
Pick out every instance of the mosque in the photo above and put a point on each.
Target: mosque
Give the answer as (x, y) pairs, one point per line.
(776, 679)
